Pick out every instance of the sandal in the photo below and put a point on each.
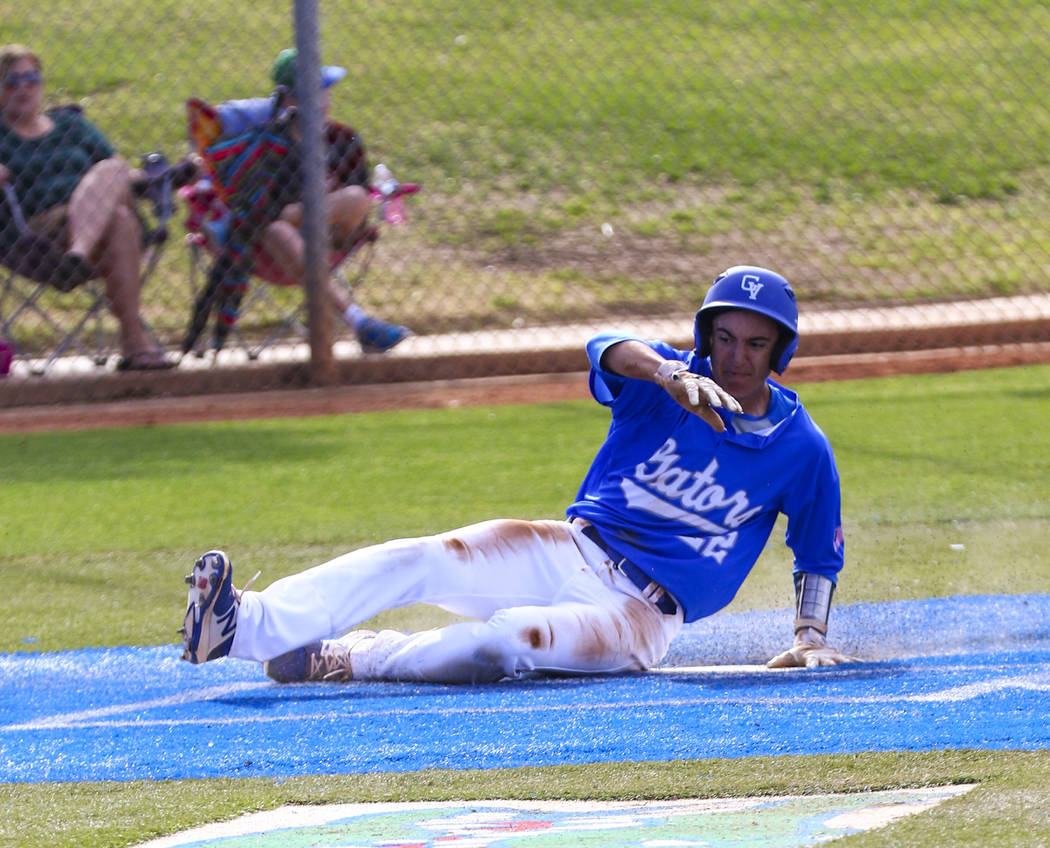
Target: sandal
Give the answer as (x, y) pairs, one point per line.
(146, 360)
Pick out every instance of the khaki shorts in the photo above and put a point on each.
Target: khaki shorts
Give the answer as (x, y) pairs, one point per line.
(40, 254)
(52, 224)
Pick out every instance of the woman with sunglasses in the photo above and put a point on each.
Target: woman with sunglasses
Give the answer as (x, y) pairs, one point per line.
(75, 191)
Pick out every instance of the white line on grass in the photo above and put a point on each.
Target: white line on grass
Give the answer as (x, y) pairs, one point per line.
(89, 718)
(1037, 682)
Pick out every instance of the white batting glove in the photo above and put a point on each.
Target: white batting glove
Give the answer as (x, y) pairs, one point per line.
(696, 394)
(810, 651)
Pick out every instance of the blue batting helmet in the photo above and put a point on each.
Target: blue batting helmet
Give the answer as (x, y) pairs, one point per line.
(757, 290)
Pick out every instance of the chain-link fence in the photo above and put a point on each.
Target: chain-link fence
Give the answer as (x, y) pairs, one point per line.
(588, 163)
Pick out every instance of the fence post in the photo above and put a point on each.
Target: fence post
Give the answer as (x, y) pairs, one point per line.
(314, 224)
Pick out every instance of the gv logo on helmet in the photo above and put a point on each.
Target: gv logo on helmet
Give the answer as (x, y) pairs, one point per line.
(750, 283)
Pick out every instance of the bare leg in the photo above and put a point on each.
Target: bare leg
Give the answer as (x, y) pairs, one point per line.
(282, 241)
(103, 229)
(346, 210)
(118, 258)
(284, 244)
(95, 201)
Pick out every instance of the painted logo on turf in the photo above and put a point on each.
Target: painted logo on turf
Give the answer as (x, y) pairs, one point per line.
(734, 822)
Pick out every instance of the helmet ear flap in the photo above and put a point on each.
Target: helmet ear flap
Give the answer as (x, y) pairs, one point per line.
(783, 350)
(704, 327)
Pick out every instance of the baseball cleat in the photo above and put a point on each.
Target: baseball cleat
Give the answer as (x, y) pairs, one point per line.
(327, 660)
(211, 609)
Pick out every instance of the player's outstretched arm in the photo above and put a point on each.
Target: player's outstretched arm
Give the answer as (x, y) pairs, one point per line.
(696, 394)
(812, 606)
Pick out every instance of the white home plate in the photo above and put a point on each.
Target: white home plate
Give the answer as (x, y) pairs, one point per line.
(769, 822)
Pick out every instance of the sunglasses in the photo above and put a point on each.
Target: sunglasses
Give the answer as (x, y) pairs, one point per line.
(16, 78)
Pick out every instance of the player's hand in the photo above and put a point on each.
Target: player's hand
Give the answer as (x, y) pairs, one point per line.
(810, 651)
(696, 394)
(5, 174)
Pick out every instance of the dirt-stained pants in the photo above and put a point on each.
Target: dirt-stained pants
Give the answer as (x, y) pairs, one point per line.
(547, 599)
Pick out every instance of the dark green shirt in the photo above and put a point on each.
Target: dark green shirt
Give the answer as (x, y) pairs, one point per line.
(45, 170)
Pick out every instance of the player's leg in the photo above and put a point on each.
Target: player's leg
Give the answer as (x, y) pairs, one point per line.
(609, 632)
(596, 622)
(473, 571)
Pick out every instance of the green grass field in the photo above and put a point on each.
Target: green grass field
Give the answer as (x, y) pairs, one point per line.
(878, 152)
(100, 526)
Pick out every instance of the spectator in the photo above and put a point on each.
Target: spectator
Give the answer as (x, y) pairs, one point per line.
(74, 191)
(347, 206)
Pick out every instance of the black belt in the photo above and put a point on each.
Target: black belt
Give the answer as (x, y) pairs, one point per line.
(639, 578)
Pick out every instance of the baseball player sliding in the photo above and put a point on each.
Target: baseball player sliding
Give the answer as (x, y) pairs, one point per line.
(703, 452)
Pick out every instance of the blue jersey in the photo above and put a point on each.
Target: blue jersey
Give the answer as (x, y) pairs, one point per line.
(694, 508)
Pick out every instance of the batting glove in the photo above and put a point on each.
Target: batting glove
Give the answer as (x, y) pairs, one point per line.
(810, 651)
(696, 394)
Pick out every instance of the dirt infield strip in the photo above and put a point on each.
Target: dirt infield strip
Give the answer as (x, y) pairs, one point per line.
(497, 390)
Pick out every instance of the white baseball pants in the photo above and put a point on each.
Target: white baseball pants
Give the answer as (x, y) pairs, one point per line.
(547, 599)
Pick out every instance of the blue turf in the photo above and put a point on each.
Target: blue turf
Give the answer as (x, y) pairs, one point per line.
(976, 676)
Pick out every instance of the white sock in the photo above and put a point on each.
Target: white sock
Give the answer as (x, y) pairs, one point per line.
(354, 315)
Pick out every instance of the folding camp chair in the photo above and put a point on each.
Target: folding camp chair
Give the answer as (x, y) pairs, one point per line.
(43, 324)
(232, 140)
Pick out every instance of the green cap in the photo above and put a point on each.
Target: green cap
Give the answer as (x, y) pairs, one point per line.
(284, 70)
